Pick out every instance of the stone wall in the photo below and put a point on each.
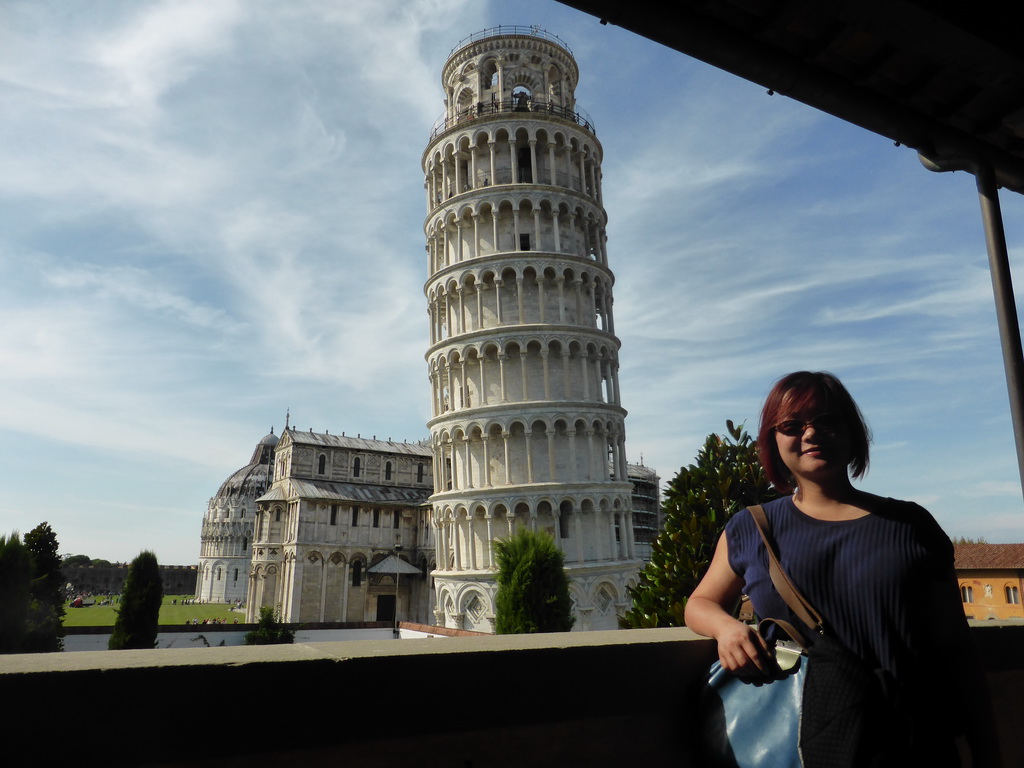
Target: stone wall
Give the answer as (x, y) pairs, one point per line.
(526, 700)
(109, 579)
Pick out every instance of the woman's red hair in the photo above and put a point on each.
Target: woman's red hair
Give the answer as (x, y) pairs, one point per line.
(801, 392)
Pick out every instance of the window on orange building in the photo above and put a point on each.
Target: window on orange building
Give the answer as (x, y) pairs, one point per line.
(967, 594)
(1012, 596)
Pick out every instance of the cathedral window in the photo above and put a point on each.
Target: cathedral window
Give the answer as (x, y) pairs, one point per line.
(334, 514)
(245, 544)
(356, 466)
(357, 573)
(398, 519)
(376, 518)
(321, 467)
(355, 516)
(419, 473)
(387, 471)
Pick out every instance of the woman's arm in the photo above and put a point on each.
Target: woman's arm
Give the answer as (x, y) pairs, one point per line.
(708, 612)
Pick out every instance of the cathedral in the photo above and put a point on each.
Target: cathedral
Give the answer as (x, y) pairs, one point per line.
(527, 427)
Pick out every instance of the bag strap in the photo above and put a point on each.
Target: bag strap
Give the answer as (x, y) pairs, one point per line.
(786, 589)
(795, 635)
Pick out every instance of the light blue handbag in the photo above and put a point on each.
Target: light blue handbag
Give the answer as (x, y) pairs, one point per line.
(754, 722)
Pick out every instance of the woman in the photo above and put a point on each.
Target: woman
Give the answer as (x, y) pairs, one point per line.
(879, 571)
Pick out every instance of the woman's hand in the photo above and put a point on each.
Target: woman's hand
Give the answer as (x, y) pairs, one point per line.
(742, 650)
(709, 613)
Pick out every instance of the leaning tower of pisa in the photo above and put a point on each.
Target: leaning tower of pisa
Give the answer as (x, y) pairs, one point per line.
(527, 423)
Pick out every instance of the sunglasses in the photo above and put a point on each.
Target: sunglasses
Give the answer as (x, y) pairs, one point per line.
(823, 422)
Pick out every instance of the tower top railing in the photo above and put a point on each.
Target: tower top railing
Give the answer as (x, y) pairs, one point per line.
(518, 103)
(500, 31)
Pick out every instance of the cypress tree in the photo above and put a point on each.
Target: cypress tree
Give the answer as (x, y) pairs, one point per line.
(533, 589)
(15, 590)
(139, 614)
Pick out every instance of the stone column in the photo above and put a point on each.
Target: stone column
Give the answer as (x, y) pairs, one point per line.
(525, 375)
(502, 357)
(551, 455)
(508, 467)
(485, 439)
(489, 548)
(529, 455)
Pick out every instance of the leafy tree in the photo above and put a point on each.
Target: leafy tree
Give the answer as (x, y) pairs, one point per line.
(73, 561)
(15, 591)
(139, 614)
(700, 499)
(533, 590)
(269, 631)
(46, 606)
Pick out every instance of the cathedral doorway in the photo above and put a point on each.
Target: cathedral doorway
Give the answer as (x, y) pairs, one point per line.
(385, 608)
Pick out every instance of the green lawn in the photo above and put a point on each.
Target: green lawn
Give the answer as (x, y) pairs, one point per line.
(170, 614)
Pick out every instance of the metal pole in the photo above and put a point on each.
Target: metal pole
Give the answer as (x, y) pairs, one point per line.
(1002, 285)
(398, 575)
(1006, 306)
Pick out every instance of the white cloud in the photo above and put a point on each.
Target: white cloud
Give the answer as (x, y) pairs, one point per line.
(160, 47)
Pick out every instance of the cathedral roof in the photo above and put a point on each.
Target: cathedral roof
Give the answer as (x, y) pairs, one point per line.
(363, 493)
(277, 493)
(325, 440)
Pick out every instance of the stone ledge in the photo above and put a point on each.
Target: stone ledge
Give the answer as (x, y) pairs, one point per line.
(590, 699)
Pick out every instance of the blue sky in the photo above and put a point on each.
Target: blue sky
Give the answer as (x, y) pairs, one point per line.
(212, 212)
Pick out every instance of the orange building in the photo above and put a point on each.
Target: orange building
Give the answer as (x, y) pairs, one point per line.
(991, 578)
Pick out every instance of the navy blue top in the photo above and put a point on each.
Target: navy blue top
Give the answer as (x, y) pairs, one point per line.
(873, 579)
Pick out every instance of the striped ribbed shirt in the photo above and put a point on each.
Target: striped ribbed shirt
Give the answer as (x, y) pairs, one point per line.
(876, 580)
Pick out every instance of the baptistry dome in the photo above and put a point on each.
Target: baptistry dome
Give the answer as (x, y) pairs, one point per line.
(253, 479)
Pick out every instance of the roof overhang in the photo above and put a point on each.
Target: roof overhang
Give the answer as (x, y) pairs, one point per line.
(394, 565)
(948, 82)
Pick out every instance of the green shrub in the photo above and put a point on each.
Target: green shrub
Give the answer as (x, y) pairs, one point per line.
(269, 631)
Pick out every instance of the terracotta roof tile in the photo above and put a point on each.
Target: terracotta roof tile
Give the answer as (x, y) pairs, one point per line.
(985, 556)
